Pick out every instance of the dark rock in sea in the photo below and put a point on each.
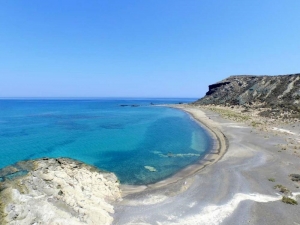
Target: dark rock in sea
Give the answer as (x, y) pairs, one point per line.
(277, 94)
(130, 105)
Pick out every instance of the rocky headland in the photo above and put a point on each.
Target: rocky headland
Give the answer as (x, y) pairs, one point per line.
(56, 191)
(269, 104)
(274, 97)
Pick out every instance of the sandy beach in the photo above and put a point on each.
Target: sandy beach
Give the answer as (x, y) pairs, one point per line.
(233, 184)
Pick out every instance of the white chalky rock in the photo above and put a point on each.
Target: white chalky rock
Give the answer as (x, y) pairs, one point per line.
(60, 191)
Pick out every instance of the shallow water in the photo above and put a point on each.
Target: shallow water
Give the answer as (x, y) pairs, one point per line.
(101, 132)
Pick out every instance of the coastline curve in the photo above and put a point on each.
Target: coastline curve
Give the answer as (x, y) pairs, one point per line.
(219, 148)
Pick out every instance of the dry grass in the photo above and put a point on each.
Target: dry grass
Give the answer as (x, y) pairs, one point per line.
(230, 114)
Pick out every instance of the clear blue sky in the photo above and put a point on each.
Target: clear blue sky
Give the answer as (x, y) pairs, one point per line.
(142, 48)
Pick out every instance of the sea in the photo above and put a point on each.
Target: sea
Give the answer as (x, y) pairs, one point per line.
(138, 139)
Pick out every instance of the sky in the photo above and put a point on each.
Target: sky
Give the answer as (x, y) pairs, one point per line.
(142, 48)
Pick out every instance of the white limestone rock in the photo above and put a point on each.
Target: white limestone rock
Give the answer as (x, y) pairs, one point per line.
(59, 191)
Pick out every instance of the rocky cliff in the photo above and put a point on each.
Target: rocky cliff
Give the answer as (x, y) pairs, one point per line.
(273, 94)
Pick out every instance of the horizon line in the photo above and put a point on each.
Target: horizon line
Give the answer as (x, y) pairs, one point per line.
(78, 98)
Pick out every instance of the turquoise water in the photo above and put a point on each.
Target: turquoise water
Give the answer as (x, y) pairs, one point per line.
(101, 132)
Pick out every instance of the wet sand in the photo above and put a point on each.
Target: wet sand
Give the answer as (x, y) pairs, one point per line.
(235, 190)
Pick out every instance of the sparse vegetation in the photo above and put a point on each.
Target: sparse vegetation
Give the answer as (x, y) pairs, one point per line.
(288, 200)
(295, 177)
(282, 189)
(271, 179)
(229, 114)
(255, 124)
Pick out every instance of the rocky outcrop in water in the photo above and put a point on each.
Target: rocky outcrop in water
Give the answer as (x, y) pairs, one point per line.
(56, 191)
(277, 95)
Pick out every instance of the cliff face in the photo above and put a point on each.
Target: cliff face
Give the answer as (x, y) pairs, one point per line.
(273, 92)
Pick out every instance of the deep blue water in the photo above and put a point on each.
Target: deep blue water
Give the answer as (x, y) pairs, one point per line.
(103, 133)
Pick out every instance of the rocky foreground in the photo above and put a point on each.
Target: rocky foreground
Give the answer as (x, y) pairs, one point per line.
(56, 191)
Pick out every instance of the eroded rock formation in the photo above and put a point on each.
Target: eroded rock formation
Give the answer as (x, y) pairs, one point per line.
(57, 191)
(277, 94)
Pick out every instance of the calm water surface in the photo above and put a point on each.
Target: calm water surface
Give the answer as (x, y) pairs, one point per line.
(101, 132)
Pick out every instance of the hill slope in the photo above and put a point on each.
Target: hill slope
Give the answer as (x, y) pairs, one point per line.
(277, 94)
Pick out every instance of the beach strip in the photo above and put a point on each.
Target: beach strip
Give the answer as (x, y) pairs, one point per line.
(219, 148)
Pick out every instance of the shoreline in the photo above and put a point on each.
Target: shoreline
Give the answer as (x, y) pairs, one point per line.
(261, 167)
(249, 182)
(219, 148)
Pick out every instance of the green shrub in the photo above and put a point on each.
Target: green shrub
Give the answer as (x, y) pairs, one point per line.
(288, 200)
(282, 189)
